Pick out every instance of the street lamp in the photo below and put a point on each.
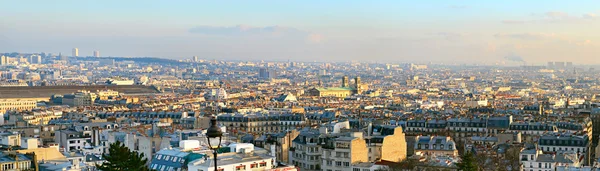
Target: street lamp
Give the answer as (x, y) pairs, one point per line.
(214, 134)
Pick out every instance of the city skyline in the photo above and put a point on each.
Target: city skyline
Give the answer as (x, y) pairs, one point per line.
(388, 31)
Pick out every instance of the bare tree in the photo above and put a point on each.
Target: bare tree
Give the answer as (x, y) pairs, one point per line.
(511, 159)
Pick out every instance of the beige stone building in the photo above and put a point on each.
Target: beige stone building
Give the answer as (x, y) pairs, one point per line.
(16, 104)
(389, 144)
(105, 94)
(344, 91)
(282, 142)
(341, 153)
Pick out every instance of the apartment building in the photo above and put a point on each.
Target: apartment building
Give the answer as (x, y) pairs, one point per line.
(306, 150)
(570, 143)
(466, 127)
(435, 146)
(249, 159)
(261, 123)
(533, 159)
(282, 142)
(386, 143)
(16, 104)
(340, 153)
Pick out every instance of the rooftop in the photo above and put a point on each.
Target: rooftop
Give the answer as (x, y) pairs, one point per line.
(47, 91)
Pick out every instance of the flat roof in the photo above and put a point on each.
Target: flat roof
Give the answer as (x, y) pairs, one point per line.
(47, 91)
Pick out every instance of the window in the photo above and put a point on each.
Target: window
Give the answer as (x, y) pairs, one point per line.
(337, 163)
(356, 169)
(252, 166)
(263, 164)
(346, 164)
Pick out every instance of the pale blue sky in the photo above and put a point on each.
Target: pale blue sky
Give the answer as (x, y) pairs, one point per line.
(445, 30)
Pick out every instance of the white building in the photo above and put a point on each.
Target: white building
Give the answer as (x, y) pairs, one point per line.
(120, 82)
(567, 143)
(10, 139)
(435, 146)
(532, 159)
(246, 160)
(476, 103)
(216, 94)
(75, 52)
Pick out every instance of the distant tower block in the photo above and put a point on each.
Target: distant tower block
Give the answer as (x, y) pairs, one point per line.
(345, 81)
(75, 52)
(195, 58)
(96, 54)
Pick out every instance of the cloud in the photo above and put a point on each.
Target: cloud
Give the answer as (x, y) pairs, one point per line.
(525, 36)
(513, 21)
(557, 14)
(554, 17)
(315, 38)
(448, 35)
(590, 16)
(515, 58)
(458, 6)
(246, 30)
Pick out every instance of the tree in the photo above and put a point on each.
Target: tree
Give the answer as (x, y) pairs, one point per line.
(120, 158)
(512, 158)
(407, 164)
(467, 162)
(486, 162)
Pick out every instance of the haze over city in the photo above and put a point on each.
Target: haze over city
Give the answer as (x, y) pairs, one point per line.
(471, 32)
(282, 85)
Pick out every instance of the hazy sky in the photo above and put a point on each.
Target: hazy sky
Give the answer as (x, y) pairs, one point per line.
(476, 31)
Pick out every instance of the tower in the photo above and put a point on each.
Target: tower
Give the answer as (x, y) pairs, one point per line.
(96, 54)
(3, 60)
(357, 85)
(75, 52)
(345, 81)
(195, 58)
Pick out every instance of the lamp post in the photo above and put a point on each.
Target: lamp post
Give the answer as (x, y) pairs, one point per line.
(214, 134)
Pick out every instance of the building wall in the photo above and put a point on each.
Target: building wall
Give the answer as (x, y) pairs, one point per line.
(14, 104)
(394, 146)
(285, 144)
(343, 93)
(232, 167)
(358, 151)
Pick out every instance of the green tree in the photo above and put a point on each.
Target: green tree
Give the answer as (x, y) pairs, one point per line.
(467, 162)
(120, 158)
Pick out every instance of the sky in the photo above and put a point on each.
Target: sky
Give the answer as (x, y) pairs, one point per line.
(443, 31)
